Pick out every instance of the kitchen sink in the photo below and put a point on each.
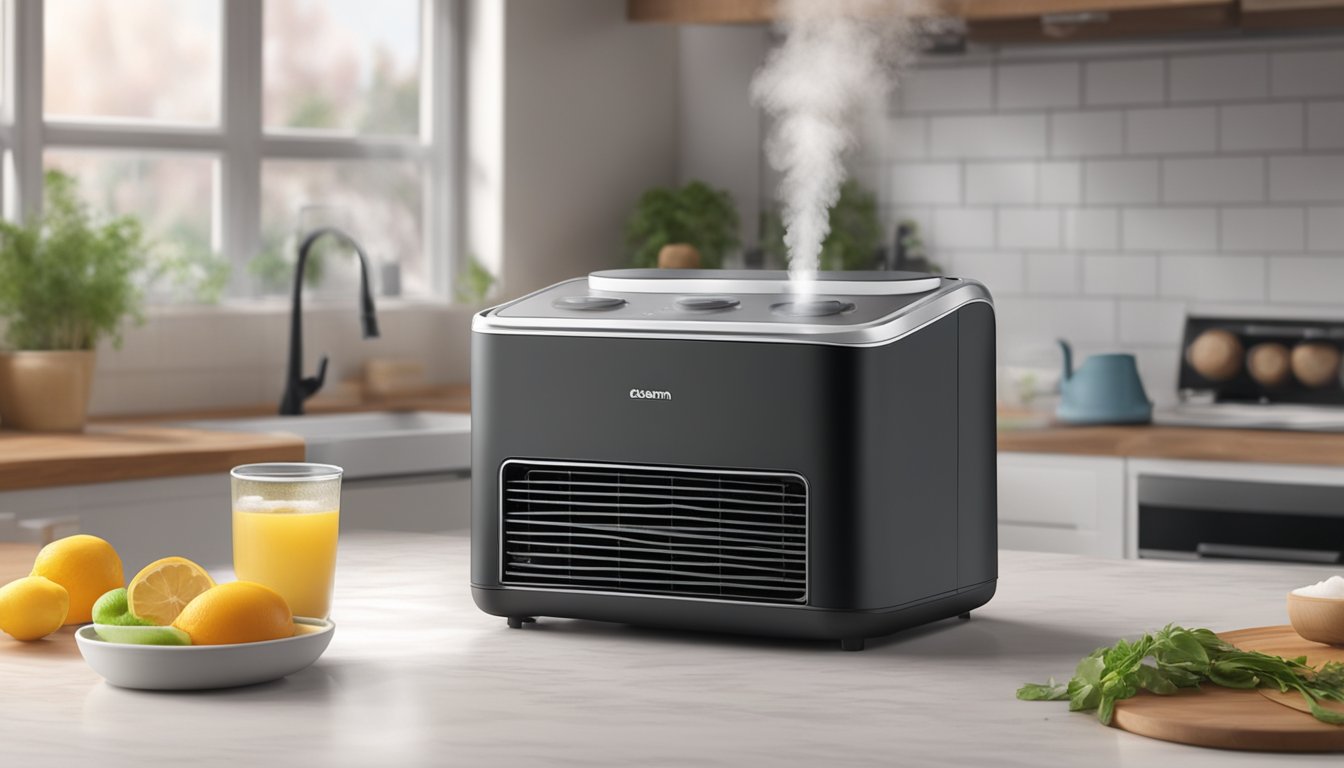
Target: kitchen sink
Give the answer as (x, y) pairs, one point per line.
(370, 445)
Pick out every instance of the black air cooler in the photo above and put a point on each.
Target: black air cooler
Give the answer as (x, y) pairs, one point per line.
(706, 450)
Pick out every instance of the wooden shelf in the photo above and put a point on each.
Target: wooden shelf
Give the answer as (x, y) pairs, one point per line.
(1017, 21)
(985, 10)
(702, 11)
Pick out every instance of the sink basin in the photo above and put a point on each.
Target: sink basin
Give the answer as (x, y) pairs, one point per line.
(367, 445)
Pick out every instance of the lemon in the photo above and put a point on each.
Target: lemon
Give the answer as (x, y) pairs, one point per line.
(32, 607)
(237, 612)
(111, 609)
(160, 591)
(86, 566)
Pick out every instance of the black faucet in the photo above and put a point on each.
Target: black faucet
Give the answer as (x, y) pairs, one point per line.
(297, 387)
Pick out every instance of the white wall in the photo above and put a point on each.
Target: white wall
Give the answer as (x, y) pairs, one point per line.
(590, 122)
(571, 113)
(720, 131)
(1103, 192)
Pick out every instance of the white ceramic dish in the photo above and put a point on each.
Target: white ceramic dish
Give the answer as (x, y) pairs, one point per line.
(201, 667)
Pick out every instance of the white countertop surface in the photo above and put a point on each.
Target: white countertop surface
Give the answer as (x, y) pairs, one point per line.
(416, 675)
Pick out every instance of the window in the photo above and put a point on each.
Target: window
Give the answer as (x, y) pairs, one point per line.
(236, 126)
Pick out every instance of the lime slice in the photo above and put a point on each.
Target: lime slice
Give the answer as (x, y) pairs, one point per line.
(112, 608)
(142, 635)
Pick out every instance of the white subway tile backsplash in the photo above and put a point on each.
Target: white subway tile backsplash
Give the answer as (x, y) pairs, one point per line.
(1082, 321)
(1151, 322)
(1317, 178)
(1001, 183)
(1307, 73)
(1006, 136)
(1174, 130)
(1213, 180)
(1260, 126)
(1038, 86)
(1263, 229)
(1053, 273)
(1001, 271)
(1121, 274)
(1325, 230)
(1166, 229)
(1159, 368)
(1306, 279)
(925, 183)
(1092, 229)
(1102, 194)
(963, 228)
(1061, 183)
(1141, 81)
(951, 89)
(907, 138)
(1087, 134)
(1029, 228)
(1325, 125)
(1212, 277)
(1122, 181)
(1226, 77)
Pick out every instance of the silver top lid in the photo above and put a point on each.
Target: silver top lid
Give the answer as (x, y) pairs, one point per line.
(843, 308)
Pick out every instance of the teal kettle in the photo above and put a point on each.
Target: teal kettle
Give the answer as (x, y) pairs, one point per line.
(1105, 389)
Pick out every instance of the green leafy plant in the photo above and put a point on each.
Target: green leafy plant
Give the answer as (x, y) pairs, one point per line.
(696, 214)
(854, 237)
(189, 271)
(68, 280)
(274, 266)
(474, 284)
(1185, 658)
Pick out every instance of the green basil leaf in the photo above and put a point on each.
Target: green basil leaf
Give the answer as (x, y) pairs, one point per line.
(1050, 691)
(1154, 680)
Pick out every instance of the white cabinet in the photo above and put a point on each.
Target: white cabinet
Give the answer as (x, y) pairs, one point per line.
(1058, 503)
(417, 504)
(191, 516)
(144, 519)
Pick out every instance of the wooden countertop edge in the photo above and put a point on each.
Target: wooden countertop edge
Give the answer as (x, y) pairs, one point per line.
(136, 452)
(143, 447)
(1180, 443)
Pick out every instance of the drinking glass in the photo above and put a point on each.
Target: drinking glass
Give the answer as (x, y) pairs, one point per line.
(286, 518)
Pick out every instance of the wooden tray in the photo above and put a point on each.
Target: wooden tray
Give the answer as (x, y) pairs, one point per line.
(1232, 719)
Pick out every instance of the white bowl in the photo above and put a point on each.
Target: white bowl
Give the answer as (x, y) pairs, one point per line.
(201, 667)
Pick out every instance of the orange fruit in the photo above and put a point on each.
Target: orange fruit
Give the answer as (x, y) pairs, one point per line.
(160, 591)
(237, 612)
(86, 566)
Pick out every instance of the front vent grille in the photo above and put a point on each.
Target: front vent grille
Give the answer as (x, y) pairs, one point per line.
(654, 530)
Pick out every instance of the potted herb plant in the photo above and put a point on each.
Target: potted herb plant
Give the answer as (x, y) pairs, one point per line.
(694, 226)
(67, 281)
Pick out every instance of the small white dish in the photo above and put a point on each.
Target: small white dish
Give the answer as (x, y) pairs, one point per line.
(202, 667)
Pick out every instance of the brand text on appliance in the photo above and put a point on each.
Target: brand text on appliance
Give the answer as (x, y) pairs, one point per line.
(649, 394)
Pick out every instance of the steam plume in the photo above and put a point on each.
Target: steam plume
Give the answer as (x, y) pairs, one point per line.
(835, 56)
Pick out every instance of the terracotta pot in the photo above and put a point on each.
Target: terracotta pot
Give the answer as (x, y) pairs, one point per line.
(678, 256)
(45, 391)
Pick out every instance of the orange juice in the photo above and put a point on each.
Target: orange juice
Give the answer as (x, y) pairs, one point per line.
(291, 550)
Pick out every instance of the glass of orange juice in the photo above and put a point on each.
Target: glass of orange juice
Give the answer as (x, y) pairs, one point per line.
(286, 517)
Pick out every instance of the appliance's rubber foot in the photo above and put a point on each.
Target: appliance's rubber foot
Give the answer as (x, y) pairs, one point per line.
(852, 644)
(517, 622)
(964, 616)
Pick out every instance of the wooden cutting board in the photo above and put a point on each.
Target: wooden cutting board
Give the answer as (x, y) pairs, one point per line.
(1232, 719)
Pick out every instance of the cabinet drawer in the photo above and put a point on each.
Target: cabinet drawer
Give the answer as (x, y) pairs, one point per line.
(1060, 491)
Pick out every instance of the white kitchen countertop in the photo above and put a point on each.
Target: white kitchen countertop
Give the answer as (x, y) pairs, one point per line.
(416, 675)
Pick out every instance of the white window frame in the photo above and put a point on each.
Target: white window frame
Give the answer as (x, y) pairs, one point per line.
(240, 142)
